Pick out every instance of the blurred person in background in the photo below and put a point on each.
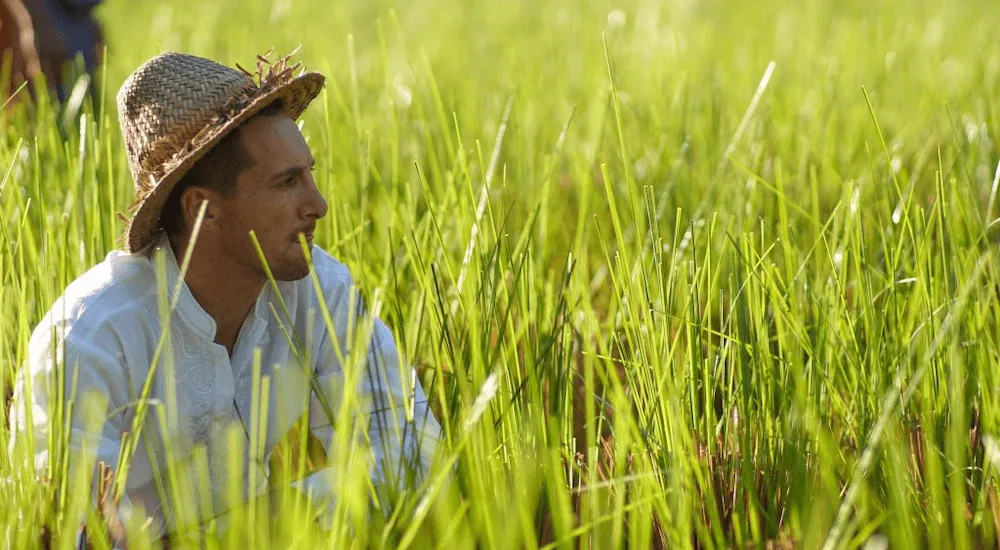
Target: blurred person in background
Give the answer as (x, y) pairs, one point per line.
(46, 37)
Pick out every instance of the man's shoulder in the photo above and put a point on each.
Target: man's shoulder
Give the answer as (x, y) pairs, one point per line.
(115, 290)
(329, 269)
(326, 264)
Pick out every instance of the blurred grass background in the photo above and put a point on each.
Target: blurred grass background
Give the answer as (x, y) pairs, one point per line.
(733, 273)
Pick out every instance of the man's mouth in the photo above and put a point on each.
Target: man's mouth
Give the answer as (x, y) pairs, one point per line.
(307, 233)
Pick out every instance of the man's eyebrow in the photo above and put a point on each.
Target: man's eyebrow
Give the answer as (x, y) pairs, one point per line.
(292, 171)
(288, 172)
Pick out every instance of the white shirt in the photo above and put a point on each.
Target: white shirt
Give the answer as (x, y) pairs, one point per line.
(107, 325)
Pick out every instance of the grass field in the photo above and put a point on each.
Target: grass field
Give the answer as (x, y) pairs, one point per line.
(687, 273)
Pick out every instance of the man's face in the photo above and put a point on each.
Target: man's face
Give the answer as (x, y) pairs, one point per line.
(275, 196)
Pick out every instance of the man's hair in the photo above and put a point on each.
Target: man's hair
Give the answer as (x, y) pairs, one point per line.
(217, 170)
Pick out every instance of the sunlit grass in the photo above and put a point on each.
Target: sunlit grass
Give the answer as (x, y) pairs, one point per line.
(673, 273)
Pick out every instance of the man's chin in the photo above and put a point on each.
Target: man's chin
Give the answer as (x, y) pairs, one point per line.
(293, 272)
(290, 266)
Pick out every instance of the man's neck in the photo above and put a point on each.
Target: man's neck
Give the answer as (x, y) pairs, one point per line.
(226, 292)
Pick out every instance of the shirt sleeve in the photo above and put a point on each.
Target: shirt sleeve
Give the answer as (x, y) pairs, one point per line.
(68, 391)
(401, 428)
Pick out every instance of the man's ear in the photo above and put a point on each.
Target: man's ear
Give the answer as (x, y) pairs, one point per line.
(191, 200)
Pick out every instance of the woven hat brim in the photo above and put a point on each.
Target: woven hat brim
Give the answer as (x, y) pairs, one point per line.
(144, 224)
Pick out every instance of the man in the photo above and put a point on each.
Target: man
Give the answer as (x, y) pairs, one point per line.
(220, 167)
(44, 37)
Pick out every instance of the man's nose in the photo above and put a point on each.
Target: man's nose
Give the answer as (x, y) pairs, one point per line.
(316, 205)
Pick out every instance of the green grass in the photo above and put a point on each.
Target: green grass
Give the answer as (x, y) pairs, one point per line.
(723, 302)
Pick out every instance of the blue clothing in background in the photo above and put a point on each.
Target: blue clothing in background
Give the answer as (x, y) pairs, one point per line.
(81, 35)
(73, 21)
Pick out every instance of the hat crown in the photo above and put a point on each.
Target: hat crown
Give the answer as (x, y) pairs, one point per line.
(166, 103)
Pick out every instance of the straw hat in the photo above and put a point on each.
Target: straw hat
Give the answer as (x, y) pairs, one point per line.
(176, 107)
